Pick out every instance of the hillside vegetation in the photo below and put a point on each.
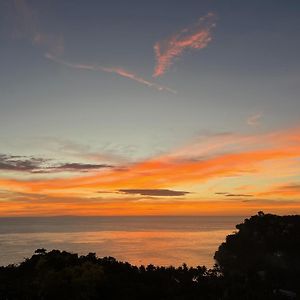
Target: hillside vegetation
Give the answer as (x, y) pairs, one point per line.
(260, 261)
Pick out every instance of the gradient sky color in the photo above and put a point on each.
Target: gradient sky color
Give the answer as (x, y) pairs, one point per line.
(149, 107)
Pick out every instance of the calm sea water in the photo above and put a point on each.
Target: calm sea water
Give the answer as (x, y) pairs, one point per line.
(138, 240)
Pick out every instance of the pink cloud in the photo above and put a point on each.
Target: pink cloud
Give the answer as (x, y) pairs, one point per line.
(115, 70)
(255, 119)
(196, 37)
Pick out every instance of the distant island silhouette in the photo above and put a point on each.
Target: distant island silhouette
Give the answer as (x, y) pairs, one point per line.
(261, 260)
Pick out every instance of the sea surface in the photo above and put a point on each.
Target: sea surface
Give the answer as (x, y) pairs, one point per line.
(138, 240)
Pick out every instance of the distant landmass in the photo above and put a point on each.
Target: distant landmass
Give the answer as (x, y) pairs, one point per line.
(259, 261)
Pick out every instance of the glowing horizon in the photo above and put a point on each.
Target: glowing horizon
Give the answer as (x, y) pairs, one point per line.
(188, 180)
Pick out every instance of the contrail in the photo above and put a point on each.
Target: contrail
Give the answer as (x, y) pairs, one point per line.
(118, 71)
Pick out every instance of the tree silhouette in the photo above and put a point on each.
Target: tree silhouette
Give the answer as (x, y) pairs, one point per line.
(264, 252)
(260, 261)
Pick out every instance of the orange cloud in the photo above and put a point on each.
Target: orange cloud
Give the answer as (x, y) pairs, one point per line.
(231, 158)
(289, 190)
(118, 71)
(196, 37)
(170, 170)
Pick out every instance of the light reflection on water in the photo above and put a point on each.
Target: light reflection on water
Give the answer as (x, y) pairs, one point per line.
(166, 244)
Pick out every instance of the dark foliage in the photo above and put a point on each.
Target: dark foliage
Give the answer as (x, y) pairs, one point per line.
(262, 258)
(261, 261)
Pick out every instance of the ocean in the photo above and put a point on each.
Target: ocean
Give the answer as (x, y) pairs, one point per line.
(138, 240)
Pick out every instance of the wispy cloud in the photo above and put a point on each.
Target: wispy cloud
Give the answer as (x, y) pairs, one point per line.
(115, 70)
(81, 167)
(137, 78)
(154, 192)
(33, 165)
(167, 170)
(20, 163)
(58, 147)
(239, 195)
(192, 38)
(195, 37)
(255, 120)
(256, 160)
(289, 190)
(221, 193)
(233, 194)
(26, 26)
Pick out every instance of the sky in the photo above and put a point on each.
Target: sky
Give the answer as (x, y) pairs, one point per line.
(149, 107)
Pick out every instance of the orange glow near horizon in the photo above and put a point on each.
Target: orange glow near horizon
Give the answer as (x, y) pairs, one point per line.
(223, 161)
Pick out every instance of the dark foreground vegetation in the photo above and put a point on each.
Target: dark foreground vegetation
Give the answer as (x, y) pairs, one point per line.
(260, 261)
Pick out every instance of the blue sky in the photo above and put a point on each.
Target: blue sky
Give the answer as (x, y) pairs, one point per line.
(250, 67)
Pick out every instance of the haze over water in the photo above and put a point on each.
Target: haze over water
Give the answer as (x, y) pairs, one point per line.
(138, 240)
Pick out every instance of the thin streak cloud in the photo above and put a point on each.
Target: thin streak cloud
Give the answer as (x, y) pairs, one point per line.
(118, 71)
(154, 192)
(283, 190)
(239, 195)
(194, 38)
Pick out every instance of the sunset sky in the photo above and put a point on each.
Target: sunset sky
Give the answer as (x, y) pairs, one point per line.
(149, 107)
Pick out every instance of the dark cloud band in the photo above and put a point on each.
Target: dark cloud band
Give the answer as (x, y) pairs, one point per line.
(41, 165)
(153, 192)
